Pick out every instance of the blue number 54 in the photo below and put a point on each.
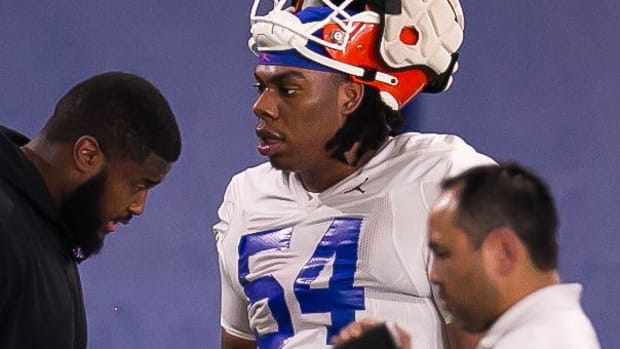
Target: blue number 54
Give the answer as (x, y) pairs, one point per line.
(340, 298)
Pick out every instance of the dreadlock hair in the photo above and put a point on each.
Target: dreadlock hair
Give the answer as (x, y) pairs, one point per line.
(370, 124)
(126, 114)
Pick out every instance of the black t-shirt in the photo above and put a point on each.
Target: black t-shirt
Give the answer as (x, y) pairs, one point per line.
(41, 304)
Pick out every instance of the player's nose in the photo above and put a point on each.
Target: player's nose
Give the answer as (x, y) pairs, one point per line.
(265, 105)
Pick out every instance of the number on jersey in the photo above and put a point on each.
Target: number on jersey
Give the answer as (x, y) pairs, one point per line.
(337, 295)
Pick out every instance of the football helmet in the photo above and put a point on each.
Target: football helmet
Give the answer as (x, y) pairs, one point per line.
(402, 47)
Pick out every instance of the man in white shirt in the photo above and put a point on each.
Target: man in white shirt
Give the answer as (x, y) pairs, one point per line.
(492, 232)
(333, 227)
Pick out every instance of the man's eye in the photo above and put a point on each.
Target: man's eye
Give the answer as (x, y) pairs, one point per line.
(139, 187)
(288, 91)
(441, 254)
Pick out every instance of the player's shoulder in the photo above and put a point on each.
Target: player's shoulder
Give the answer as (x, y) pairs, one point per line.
(262, 172)
(550, 332)
(444, 153)
(262, 178)
(14, 242)
(7, 204)
(258, 171)
(551, 317)
(429, 143)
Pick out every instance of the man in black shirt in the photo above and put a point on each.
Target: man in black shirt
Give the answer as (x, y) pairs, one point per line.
(110, 139)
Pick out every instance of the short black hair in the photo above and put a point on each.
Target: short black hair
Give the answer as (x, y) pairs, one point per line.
(508, 195)
(126, 114)
(370, 124)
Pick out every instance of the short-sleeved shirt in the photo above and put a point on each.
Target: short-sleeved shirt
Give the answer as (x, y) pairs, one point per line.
(296, 266)
(551, 317)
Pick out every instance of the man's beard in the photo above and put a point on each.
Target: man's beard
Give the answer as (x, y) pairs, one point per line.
(81, 213)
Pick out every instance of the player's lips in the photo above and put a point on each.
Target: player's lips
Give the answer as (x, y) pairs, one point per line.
(113, 224)
(269, 142)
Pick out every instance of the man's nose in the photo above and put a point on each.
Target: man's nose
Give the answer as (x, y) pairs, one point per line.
(137, 206)
(265, 105)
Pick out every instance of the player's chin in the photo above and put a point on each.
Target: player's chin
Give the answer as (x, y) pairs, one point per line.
(469, 322)
(280, 162)
(93, 245)
(101, 234)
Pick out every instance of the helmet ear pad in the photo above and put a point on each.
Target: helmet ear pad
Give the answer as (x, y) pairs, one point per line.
(360, 50)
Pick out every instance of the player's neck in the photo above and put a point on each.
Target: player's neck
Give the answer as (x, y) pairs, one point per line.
(528, 284)
(333, 171)
(48, 159)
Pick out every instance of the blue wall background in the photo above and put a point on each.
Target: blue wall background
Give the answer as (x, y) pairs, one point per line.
(538, 83)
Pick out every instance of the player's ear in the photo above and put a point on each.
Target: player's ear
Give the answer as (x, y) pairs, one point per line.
(503, 250)
(87, 155)
(350, 96)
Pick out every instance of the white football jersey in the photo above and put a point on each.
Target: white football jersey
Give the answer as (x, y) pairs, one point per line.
(296, 266)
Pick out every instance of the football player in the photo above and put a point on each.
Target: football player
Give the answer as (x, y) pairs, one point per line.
(333, 227)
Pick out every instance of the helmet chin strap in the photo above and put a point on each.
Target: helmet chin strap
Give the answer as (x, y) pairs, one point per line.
(389, 100)
(362, 73)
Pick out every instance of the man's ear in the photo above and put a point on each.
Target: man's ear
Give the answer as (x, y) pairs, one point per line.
(351, 95)
(87, 155)
(505, 249)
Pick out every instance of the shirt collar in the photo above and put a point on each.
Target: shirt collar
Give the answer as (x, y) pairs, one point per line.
(529, 307)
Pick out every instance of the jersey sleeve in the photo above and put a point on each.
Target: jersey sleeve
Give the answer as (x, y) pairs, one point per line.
(456, 162)
(234, 315)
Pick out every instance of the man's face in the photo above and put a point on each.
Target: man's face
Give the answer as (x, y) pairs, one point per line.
(297, 111)
(458, 269)
(113, 196)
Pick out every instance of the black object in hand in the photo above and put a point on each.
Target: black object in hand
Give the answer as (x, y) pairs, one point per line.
(378, 337)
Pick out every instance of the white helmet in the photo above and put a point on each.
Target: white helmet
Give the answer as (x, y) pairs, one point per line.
(402, 47)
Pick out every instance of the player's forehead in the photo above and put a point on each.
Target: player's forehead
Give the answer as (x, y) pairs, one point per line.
(265, 71)
(444, 207)
(442, 216)
(277, 73)
(153, 169)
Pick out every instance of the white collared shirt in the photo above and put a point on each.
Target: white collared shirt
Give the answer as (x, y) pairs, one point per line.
(550, 317)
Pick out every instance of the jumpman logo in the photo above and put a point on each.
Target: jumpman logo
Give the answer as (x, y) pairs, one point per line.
(358, 187)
